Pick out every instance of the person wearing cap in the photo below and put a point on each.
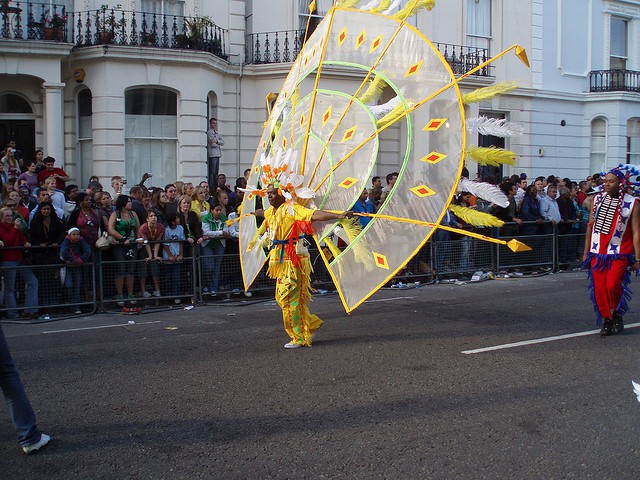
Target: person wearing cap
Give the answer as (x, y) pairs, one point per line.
(612, 248)
(76, 252)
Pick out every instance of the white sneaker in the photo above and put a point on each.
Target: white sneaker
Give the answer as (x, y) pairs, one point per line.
(177, 301)
(292, 345)
(146, 294)
(29, 449)
(156, 293)
(248, 294)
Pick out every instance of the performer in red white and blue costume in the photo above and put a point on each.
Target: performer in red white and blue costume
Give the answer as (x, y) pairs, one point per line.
(612, 247)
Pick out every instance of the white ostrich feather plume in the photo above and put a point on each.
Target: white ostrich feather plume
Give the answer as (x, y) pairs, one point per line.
(392, 7)
(486, 191)
(498, 127)
(370, 5)
(380, 111)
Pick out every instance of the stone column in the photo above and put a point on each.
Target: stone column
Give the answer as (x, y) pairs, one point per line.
(53, 121)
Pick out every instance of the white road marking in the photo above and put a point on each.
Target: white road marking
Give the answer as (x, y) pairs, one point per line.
(388, 299)
(539, 340)
(103, 326)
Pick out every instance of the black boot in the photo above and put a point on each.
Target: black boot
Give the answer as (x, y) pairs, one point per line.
(618, 324)
(606, 327)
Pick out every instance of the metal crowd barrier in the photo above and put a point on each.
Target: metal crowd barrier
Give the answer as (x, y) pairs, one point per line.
(116, 281)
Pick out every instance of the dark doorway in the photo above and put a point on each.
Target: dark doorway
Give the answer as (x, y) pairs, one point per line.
(487, 171)
(24, 134)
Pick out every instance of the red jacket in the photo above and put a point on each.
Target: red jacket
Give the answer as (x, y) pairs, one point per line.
(11, 237)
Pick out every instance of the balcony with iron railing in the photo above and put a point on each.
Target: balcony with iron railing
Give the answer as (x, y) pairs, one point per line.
(284, 46)
(109, 26)
(614, 81)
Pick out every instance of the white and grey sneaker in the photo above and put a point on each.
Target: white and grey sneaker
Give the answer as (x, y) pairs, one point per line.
(34, 447)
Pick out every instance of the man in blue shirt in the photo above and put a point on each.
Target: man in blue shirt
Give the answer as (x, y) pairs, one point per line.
(363, 205)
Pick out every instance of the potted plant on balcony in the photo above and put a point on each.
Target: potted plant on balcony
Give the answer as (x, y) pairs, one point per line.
(54, 27)
(107, 24)
(197, 28)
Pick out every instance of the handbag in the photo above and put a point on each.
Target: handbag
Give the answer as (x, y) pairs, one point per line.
(104, 242)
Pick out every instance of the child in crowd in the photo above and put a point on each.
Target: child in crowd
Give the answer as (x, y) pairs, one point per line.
(172, 253)
(153, 232)
(76, 252)
(215, 234)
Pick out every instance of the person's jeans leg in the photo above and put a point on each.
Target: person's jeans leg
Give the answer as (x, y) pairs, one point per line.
(9, 272)
(31, 282)
(218, 253)
(20, 410)
(213, 166)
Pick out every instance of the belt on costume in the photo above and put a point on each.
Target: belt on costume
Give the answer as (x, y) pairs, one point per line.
(277, 242)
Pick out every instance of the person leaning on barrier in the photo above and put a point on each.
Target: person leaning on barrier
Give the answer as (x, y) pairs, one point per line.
(123, 227)
(10, 260)
(76, 252)
(153, 233)
(530, 212)
(86, 218)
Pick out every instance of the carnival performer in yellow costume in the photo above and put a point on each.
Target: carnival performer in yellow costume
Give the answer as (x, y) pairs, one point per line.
(290, 265)
(286, 223)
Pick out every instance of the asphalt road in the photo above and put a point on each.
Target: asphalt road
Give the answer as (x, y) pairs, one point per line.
(386, 392)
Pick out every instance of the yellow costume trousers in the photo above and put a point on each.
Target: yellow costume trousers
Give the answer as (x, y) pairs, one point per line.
(293, 296)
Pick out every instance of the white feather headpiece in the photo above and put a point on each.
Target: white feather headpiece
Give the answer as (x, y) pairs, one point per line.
(498, 127)
(486, 191)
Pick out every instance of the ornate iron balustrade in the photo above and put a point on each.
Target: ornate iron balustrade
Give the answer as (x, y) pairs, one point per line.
(614, 81)
(37, 21)
(122, 27)
(283, 47)
(273, 47)
(33, 21)
(462, 58)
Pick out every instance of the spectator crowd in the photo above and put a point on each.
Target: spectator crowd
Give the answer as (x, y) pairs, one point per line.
(51, 228)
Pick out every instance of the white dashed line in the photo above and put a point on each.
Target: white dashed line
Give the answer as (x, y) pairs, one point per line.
(98, 328)
(539, 340)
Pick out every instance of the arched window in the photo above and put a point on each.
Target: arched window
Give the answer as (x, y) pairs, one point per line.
(11, 103)
(85, 134)
(598, 157)
(151, 134)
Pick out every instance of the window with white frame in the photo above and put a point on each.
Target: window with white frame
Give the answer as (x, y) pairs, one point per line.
(633, 141)
(163, 7)
(85, 134)
(618, 44)
(479, 24)
(598, 154)
(151, 134)
(322, 7)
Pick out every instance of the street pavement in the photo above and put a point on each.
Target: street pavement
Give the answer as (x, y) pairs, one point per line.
(386, 392)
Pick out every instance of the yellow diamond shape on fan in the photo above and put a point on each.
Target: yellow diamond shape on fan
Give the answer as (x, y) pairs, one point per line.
(375, 44)
(434, 124)
(326, 116)
(348, 135)
(422, 191)
(381, 260)
(348, 182)
(302, 121)
(413, 69)
(361, 38)
(342, 36)
(284, 143)
(433, 157)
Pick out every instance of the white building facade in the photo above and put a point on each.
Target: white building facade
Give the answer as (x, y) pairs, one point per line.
(129, 88)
